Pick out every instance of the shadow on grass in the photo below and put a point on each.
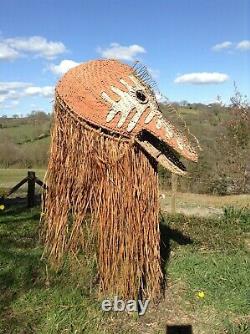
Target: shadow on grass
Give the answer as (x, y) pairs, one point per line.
(18, 204)
(168, 234)
(20, 266)
(17, 220)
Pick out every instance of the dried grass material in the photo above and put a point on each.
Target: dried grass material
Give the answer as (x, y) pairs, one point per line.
(117, 184)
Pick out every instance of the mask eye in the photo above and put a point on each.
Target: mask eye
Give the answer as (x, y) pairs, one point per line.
(141, 96)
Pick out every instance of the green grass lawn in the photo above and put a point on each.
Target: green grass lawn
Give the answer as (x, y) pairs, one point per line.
(208, 255)
(214, 261)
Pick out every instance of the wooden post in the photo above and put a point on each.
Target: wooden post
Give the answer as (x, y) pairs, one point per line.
(31, 189)
(31, 179)
(173, 193)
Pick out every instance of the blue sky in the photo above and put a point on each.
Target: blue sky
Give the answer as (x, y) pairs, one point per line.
(195, 49)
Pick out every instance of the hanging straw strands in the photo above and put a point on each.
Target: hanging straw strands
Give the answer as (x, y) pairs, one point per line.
(104, 189)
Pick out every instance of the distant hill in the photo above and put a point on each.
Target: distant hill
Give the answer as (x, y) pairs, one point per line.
(24, 143)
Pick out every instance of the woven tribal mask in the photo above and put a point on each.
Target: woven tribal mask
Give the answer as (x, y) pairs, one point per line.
(113, 98)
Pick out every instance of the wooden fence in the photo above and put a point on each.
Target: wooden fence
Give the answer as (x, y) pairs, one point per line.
(31, 179)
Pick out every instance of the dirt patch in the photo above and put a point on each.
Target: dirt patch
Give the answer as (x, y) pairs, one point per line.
(201, 205)
(197, 211)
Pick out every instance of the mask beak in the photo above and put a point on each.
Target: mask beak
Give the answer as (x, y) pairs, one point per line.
(160, 139)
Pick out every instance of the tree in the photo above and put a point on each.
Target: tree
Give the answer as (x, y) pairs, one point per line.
(234, 144)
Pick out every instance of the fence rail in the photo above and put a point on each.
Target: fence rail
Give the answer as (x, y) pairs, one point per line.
(31, 179)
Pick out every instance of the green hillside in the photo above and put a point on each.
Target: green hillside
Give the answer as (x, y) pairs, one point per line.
(24, 142)
(223, 134)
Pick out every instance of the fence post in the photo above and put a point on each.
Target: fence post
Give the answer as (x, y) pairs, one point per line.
(31, 189)
(173, 192)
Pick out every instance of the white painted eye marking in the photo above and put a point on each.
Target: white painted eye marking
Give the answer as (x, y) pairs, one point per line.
(117, 91)
(136, 81)
(169, 131)
(159, 124)
(150, 116)
(181, 147)
(131, 126)
(125, 84)
(106, 98)
(133, 100)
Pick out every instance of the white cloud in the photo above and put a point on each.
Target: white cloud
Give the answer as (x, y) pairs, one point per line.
(117, 51)
(7, 53)
(14, 103)
(46, 91)
(12, 91)
(243, 45)
(11, 105)
(222, 46)
(63, 66)
(11, 48)
(201, 78)
(6, 86)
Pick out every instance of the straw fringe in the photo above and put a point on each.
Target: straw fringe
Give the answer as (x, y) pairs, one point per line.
(103, 190)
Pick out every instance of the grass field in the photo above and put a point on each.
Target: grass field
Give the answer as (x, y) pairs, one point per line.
(201, 255)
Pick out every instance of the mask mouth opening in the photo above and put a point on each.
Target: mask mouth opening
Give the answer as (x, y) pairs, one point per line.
(161, 152)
